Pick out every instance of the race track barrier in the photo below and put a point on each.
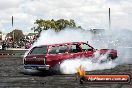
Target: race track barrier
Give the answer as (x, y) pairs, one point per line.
(12, 53)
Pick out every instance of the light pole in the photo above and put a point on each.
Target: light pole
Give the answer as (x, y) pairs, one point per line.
(109, 20)
(13, 30)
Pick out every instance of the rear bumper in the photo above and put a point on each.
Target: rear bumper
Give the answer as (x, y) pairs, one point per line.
(37, 67)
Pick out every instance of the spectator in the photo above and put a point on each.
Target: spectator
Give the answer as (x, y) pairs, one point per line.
(4, 46)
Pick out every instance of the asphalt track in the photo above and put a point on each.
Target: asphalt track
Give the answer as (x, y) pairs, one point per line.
(12, 76)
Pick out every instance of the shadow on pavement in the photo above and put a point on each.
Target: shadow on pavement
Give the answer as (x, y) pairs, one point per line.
(39, 73)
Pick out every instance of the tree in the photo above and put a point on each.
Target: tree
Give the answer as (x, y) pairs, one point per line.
(57, 25)
(16, 34)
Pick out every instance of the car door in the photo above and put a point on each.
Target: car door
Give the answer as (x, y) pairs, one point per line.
(57, 54)
(63, 53)
(75, 51)
(52, 56)
(87, 50)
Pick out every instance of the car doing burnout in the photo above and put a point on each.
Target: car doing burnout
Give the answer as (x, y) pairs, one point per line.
(45, 57)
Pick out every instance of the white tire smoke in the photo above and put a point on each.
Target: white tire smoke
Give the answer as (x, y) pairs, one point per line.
(111, 39)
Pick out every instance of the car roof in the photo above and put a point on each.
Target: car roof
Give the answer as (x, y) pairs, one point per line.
(63, 43)
(68, 43)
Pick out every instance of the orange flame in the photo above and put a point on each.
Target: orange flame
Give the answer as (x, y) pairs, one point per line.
(81, 71)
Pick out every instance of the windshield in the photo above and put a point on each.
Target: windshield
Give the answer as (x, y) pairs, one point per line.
(39, 50)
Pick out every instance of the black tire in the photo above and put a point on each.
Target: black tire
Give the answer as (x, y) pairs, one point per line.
(109, 58)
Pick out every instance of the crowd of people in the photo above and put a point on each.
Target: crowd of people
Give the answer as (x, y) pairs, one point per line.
(22, 43)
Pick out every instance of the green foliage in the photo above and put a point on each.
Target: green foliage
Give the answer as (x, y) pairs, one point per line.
(57, 25)
(17, 34)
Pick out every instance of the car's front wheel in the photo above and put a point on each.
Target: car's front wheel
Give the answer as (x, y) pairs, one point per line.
(106, 59)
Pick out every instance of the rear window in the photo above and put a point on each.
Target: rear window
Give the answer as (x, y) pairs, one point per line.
(39, 50)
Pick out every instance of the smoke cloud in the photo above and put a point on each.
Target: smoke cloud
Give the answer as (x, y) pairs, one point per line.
(67, 35)
(71, 66)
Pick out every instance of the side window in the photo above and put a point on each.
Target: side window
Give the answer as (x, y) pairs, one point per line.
(86, 47)
(75, 48)
(63, 49)
(54, 50)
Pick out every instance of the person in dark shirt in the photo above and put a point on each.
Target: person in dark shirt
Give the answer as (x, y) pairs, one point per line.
(4, 46)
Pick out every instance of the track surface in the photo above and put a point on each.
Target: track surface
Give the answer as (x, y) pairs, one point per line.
(11, 76)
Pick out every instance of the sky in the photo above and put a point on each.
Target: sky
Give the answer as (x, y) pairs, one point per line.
(86, 13)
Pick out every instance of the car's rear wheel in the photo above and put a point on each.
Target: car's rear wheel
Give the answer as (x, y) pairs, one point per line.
(108, 59)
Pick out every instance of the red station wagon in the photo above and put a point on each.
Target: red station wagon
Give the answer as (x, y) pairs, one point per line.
(46, 57)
